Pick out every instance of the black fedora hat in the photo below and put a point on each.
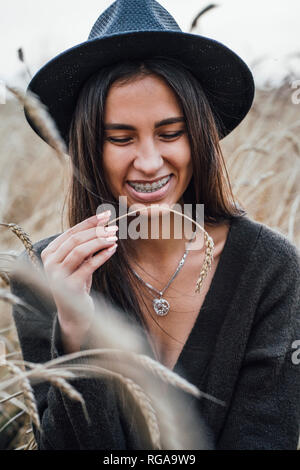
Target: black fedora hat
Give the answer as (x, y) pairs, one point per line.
(139, 29)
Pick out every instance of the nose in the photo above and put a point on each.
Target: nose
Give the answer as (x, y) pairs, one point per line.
(148, 159)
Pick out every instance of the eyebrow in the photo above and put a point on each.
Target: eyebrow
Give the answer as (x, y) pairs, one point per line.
(127, 127)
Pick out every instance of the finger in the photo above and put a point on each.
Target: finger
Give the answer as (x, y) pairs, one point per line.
(81, 252)
(77, 239)
(84, 225)
(81, 275)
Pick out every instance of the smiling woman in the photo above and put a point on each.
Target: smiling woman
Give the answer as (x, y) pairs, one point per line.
(175, 141)
(151, 161)
(147, 109)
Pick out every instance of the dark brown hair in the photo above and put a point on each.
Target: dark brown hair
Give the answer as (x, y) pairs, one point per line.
(209, 184)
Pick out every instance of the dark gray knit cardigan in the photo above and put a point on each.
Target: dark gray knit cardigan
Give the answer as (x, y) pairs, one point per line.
(240, 350)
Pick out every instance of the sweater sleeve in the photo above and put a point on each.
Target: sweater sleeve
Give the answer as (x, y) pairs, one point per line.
(265, 409)
(63, 422)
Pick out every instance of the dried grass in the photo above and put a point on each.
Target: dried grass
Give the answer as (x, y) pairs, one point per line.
(40, 117)
(132, 368)
(263, 160)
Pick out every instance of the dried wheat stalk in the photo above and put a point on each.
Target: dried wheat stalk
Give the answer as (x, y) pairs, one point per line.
(141, 398)
(158, 369)
(39, 115)
(10, 397)
(56, 377)
(4, 278)
(165, 374)
(22, 59)
(6, 260)
(170, 377)
(147, 409)
(161, 371)
(208, 241)
(6, 329)
(11, 420)
(12, 299)
(24, 237)
(31, 444)
(41, 371)
(28, 392)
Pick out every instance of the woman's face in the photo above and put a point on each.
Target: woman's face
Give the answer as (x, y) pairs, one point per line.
(145, 142)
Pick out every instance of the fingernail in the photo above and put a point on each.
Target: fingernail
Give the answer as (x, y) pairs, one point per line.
(103, 215)
(113, 248)
(111, 239)
(111, 229)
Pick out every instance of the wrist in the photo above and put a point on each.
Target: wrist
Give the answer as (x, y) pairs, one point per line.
(73, 335)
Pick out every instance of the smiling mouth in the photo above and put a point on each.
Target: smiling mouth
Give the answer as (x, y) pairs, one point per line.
(150, 188)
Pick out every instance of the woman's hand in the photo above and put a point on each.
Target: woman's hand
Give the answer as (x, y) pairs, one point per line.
(71, 257)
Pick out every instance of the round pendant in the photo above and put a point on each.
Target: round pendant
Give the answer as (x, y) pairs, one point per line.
(161, 307)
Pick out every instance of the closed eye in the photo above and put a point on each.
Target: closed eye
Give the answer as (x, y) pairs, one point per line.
(126, 140)
(172, 136)
(119, 141)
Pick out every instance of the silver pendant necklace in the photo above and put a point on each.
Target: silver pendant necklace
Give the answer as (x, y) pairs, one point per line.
(161, 306)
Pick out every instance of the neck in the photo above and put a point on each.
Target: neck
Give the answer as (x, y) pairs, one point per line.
(165, 239)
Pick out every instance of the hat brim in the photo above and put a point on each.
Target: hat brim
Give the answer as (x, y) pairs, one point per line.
(224, 76)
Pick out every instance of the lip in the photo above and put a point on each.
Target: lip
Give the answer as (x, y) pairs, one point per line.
(148, 181)
(149, 197)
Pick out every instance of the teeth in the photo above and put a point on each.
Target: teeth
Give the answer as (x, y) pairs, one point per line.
(149, 188)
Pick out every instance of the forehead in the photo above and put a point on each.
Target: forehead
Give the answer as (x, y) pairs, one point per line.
(146, 95)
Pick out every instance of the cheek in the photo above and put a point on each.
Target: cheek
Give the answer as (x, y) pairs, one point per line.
(181, 157)
(115, 167)
(183, 162)
(109, 169)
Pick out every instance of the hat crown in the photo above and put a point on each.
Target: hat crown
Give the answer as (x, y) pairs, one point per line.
(133, 15)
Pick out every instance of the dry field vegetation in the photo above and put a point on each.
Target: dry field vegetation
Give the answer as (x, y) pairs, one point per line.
(263, 162)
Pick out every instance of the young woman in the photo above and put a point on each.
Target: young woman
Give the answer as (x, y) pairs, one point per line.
(142, 107)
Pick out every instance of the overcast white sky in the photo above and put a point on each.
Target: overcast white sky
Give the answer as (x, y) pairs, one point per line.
(252, 28)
